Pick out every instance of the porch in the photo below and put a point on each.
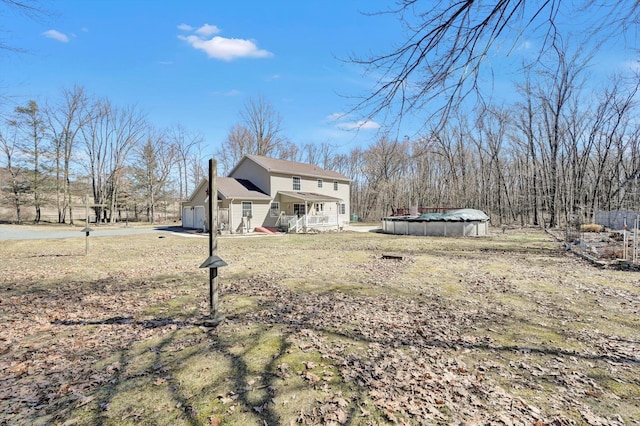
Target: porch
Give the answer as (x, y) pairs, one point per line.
(308, 212)
(309, 223)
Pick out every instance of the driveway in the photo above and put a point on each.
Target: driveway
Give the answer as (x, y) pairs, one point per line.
(47, 232)
(364, 228)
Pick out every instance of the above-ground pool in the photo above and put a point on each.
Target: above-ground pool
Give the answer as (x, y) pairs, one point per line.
(454, 223)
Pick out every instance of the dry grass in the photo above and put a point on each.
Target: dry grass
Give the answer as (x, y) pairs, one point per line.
(319, 329)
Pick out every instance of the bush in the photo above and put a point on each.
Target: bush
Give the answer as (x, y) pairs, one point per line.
(592, 227)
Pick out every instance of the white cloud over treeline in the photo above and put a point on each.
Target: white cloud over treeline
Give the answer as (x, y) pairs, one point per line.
(56, 35)
(205, 38)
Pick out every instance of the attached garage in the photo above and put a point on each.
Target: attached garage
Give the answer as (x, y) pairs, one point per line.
(187, 217)
(193, 210)
(199, 218)
(241, 206)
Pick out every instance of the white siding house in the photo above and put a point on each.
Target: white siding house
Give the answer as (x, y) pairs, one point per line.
(272, 193)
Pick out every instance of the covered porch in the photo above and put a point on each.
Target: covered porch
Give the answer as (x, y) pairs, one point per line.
(308, 211)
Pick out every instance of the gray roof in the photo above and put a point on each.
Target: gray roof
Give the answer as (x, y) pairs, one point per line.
(239, 188)
(309, 196)
(292, 168)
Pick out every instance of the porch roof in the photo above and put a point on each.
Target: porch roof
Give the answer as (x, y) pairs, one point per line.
(309, 196)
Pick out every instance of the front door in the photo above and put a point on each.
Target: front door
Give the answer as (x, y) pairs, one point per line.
(299, 210)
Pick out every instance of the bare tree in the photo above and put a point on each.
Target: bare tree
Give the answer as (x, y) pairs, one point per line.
(16, 187)
(493, 126)
(197, 163)
(154, 160)
(184, 144)
(238, 144)
(322, 154)
(64, 122)
(28, 8)
(383, 169)
(524, 123)
(448, 43)
(29, 122)
(259, 133)
(109, 137)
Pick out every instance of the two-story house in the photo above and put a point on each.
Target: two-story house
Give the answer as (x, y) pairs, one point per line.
(271, 193)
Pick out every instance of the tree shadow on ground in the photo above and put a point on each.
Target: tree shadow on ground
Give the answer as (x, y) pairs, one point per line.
(363, 319)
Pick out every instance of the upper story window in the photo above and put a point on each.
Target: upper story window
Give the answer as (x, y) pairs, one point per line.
(319, 183)
(335, 186)
(296, 183)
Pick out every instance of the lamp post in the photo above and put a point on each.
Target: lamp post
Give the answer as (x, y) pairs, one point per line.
(213, 262)
(86, 231)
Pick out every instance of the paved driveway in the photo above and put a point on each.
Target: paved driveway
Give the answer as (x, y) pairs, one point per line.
(45, 232)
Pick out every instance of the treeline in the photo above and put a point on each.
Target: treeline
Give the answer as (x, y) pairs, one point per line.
(552, 158)
(555, 155)
(80, 149)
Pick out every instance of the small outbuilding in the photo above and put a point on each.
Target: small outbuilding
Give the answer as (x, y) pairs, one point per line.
(453, 223)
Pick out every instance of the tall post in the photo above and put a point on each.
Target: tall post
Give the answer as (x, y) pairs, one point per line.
(624, 238)
(213, 231)
(213, 262)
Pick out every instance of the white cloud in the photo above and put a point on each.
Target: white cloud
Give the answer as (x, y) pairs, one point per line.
(207, 30)
(56, 35)
(525, 45)
(343, 121)
(633, 66)
(336, 116)
(358, 125)
(226, 49)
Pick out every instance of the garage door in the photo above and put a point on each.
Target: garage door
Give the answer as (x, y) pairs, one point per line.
(198, 217)
(187, 217)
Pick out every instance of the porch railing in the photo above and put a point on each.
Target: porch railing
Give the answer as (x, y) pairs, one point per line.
(296, 224)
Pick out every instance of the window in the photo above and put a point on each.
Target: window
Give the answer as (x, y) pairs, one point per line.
(296, 183)
(319, 207)
(274, 211)
(335, 186)
(343, 208)
(246, 209)
(319, 183)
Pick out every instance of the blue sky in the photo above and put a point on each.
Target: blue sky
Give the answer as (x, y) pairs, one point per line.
(197, 63)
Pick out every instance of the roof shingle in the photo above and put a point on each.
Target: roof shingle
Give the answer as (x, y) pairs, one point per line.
(293, 168)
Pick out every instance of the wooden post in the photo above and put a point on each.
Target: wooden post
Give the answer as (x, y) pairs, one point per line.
(213, 241)
(624, 239)
(213, 262)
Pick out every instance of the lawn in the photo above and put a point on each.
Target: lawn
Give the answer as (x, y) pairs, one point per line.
(318, 329)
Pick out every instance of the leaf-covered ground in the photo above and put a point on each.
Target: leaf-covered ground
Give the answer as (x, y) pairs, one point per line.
(319, 329)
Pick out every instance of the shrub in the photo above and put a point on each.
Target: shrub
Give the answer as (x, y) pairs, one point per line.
(591, 227)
